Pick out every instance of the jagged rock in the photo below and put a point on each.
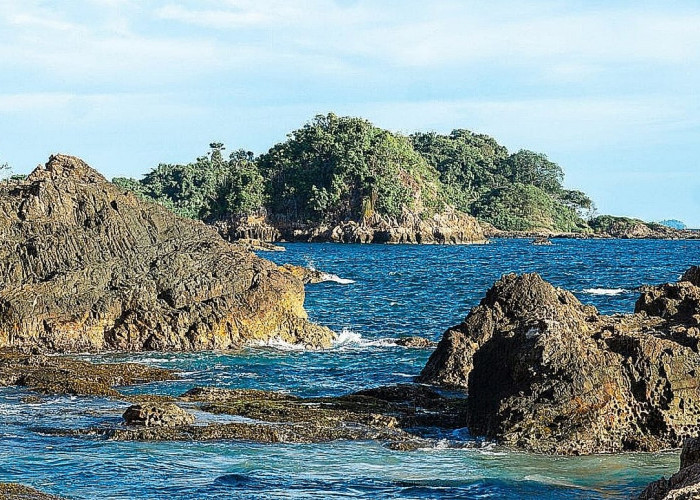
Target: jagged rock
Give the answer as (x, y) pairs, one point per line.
(415, 342)
(85, 266)
(692, 275)
(678, 302)
(15, 491)
(549, 374)
(306, 275)
(542, 241)
(449, 227)
(157, 414)
(59, 375)
(685, 484)
(253, 245)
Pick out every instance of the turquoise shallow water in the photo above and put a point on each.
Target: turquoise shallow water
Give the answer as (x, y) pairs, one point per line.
(397, 291)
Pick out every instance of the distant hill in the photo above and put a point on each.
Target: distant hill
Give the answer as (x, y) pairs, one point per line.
(673, 223)
(338, 169)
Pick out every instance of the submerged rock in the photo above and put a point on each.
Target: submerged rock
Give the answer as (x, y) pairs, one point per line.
(85, 266)
(548, 374)
(542, 241)
(685, 484)
(157, 415)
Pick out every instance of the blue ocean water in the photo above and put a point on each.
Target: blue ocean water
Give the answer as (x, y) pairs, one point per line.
(396, 291)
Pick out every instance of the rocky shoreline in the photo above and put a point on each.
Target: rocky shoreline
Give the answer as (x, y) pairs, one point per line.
(449, 227)
(89, 267)
(547, 374)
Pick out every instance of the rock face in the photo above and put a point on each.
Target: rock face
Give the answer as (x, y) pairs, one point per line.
(450, 227)
(684, 485)
(548, 374)
(85, 266)
(157, 414)
(14, 491)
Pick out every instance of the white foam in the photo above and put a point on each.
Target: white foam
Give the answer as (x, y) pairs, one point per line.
(336, 279)
(278, 343)
(605, 291)
(349, 338)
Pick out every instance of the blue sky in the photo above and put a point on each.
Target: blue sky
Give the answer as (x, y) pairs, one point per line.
(609, 90)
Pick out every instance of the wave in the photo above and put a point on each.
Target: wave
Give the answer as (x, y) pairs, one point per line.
(279, 344)
(349, 338)
(336, 279)
(605, 291)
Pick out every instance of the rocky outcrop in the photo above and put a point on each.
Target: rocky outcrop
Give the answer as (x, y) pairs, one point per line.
(415, 342)
(157, 415)
(305, 274)
(548, 374)
(449, 227)
(685, 484)
(85, 266)
(59, 375)
(258, 245)
(393, 415)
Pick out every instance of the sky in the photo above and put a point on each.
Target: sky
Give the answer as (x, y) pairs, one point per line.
(610, 90)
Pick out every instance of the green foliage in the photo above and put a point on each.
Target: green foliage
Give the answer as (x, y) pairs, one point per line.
(242, 190)
(610, 224)
(528, 167)
(525, 207)
(340, 168)
(209, 187)
(469, 163)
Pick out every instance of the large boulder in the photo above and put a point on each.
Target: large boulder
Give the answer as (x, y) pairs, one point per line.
(548, 374)
(85, 266)
(157, 414)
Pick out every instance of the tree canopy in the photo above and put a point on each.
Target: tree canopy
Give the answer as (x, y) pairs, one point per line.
(345, 168)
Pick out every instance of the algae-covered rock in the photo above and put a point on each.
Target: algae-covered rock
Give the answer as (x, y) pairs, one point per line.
(85, 266)
(59, 375)
(549, 374)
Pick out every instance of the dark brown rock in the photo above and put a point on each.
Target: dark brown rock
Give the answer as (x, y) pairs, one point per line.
(549, 374)
(60, 375)
(415, 342)
(85, 266)
(685, 484)
(157, 415)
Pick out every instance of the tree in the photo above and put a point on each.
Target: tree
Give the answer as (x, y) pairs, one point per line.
(528, 167)
(339, 168)
(5, 171)
(525, 207)
(242, 190)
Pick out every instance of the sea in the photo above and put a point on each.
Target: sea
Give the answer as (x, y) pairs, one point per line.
(376, 294)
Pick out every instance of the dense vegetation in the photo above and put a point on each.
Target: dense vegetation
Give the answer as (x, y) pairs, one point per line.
(339, 168)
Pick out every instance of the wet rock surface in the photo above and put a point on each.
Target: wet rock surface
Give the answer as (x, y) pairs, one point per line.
(305, 274)
(393, 415)
(85, 266)
(60, 375)
(415, 342)
(685, 484)
(548, 374)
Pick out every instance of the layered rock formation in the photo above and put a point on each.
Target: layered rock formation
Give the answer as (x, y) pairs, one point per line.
(685, 484)
(85, 266)
(549, 374)
(449, 227)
